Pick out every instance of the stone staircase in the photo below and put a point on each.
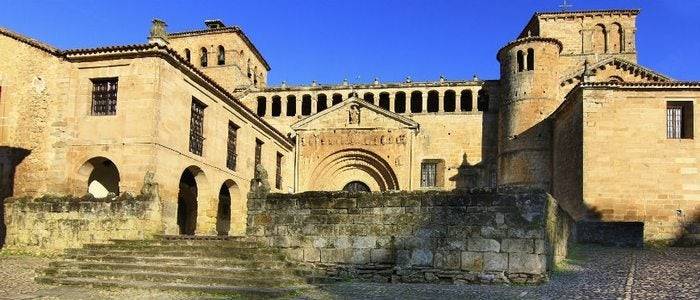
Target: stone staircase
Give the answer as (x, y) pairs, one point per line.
(233, 266)
(691, 237)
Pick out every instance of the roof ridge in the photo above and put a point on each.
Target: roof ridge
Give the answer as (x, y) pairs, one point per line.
(590, 11)
(30, 41)
(576, 72)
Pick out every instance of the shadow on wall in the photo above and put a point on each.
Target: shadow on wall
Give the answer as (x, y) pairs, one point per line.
(10, 157)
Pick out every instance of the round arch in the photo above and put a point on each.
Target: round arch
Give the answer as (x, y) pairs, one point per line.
(193, 188)
(101, 177)
(229, 208)
(342, 167)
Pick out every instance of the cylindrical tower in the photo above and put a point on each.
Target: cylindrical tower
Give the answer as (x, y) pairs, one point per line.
(529, 88)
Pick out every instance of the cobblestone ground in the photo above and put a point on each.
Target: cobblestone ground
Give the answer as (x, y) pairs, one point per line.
(593, 273)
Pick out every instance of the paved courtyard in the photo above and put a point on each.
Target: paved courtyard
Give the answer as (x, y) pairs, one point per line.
(593, 273)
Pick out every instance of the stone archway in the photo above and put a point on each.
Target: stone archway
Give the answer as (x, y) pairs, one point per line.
(101, 177)
(191, 186)
(342, 167)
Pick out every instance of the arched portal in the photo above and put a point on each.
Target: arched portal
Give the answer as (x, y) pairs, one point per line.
(223, 211)
(187, 200)
(336, 170)
(102, 177)
(356, 187)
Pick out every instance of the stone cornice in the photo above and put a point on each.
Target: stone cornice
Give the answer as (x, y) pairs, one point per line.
(615, 61)
(529, 39)
(329, 87)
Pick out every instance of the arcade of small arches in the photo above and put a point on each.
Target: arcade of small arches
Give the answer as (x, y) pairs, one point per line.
(398, 102)
(608, 39)
(100, 176)
(252, 73)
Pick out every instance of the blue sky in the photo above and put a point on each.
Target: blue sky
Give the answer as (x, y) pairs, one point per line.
(328, 40)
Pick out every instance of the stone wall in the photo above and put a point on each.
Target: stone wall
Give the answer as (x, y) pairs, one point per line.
(467, 236)
(50, 224)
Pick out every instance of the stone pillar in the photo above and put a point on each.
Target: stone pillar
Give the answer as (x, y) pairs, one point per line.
(283, 106)
(314, 105)
(424, 102)
(458, 101)
(299, 101)
(441, 102)
(392, 102)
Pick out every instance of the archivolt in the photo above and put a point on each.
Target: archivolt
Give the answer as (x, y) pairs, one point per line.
(330, 171)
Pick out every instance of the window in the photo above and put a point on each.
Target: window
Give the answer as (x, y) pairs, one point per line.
(231, 146)
(369, 97)
(276, 108)
(431, 173)
(416, 102)
(530, 59)
(450, 101)
(521, 59)
(337, 98)
(291, 105)
(221, 56)
(262, 106)
(433, 101)
(258, 151)
(321, 102)
(679, 120)
(203, 58)
(465, 100)
(306, 105)
(400, 102)
(384, 101)
(278, 172)
(197, 126)
(188, 55)
(104, 96)
(482, 101)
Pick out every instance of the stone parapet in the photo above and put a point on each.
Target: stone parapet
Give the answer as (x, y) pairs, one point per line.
(472, 236)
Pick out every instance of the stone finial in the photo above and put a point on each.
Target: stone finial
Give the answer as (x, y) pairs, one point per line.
(408, 79)
(345, 82)
(158, 34)
(284, 84)
(475, 78)
(376, 81)
(442, 79)
(314, 83)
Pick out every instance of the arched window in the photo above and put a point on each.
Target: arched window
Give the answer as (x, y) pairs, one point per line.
(530, 59)
(482, 102)
(521, 61)
(384, 100)
(291, 105)
(250, 74)
(369, 97)
(188, 55)
(615, 39)
(337, 98)
(465, 100)
(221, 56)
(600, 39)
(356, 187)
(203, 57)
(416, 102)
(276, 109)
(255, 75)
(400, 102)
(262, 106)
(321, 102)
(306, 105)
(433, 99)
(449, 101)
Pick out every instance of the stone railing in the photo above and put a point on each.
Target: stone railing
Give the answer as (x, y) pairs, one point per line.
(477, 236)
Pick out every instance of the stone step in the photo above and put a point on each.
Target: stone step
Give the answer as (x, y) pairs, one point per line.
(213, 253)
(241, 243)
(183, 261)
(235, 291)
(180, 269)
(245, 279)
(183, 247)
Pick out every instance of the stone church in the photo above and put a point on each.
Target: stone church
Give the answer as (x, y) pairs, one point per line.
(572, 113)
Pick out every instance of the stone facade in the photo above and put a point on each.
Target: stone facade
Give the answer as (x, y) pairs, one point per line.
(572, 113)
(475, 236)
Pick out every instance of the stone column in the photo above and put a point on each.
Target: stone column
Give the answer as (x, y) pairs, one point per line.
(283, 106)
(441, 102)
(424, 102)
(299, 101)
(458, 101)
(392, 102)
(314, 105)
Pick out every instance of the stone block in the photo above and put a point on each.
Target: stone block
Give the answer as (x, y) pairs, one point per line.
(481, 244)
(359, 256)
(381, 256)
(517, 245)
(526, 263)
(364, 242)
(296, 254)
(403, 258)
(421, 257)
(472, 261)
(495, 261)
(539, 246)
(312, 254)
(447, 260)
(333, 255)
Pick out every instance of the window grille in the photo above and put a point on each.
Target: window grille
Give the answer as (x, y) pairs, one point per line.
(231, 147)
(104, 96)
(278, 172)
(428, 175)
(197, 127)
(674, 121)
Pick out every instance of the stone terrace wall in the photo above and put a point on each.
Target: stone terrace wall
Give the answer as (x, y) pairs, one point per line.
(477, 236)
(54, 223)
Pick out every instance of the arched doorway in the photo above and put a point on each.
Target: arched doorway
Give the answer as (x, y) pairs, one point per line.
(336, 170)
(223, 211)
(187, 203)
(102, 177)
(356, 187)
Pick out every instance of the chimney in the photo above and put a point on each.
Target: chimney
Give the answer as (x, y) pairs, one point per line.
(159, 35)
